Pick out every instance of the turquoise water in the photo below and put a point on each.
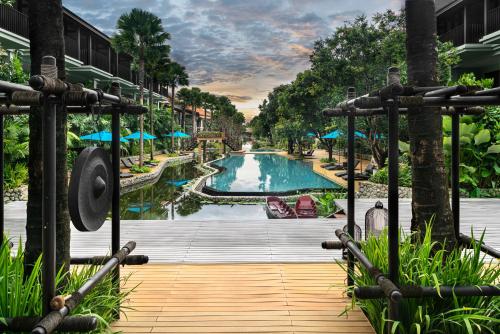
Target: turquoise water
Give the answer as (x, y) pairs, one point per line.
(266, 173)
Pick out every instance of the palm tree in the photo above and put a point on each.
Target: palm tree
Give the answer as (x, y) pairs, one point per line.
(195, 99)
(46, 36)
(156, 65)
(184, 95)
(430, 188)
(175, 76)
(205, 104)
(140, 34)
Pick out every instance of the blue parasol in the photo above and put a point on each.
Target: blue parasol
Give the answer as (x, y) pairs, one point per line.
(137, 135)
(101, 136)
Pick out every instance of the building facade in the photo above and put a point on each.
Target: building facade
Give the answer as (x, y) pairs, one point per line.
(90, 58)
(473, 26)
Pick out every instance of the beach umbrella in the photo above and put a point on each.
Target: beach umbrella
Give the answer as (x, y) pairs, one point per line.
(333, 135)
(101, 136)
(178, 134)
(136, 135)
(311, 134)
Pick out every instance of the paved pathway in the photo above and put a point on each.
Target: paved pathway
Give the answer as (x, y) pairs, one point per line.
(259, 241)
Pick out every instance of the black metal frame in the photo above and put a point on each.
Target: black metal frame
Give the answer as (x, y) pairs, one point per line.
(393, 100)
(48, 92)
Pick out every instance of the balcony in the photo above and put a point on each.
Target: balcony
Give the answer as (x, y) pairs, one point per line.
(493, 20)
(82, 41)
(14, 21)
(455, 35)
(475, 32)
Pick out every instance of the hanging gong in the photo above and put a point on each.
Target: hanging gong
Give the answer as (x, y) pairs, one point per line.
(90, 189)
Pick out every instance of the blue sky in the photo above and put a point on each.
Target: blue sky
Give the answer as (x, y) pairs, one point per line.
(239, 48)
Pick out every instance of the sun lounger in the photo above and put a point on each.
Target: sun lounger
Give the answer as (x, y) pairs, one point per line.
(126, 163)
(126, 175)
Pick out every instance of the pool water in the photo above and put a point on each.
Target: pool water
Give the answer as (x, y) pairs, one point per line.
(155, 202)
(266, 173)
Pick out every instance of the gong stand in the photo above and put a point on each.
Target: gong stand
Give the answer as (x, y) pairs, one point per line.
(391, 101)
(48, 92)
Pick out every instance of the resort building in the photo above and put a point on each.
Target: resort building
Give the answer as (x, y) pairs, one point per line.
(90, 58)
(473, 26)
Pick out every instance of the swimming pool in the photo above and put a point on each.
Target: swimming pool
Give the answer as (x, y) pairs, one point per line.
(266, 173)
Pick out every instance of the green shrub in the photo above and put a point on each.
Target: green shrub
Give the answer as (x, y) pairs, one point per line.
(326, 160)
(429, 264)
(140, 170)
(23, 296)
(15, 175)
(172, 155)
(326, 203)
(405, 174)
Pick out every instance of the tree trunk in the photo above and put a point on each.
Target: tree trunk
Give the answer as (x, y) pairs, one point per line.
(141, 102)
(172, 100)
(330, 152)
(194, 121)
(151, 120)
(47, 38)
(430, 200)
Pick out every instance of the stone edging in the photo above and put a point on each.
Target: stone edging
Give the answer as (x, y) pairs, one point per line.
(16, 194)
(379, 190)
(138, 181)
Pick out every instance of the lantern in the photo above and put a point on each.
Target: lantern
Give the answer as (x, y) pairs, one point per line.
(376, 220)
(357, 237)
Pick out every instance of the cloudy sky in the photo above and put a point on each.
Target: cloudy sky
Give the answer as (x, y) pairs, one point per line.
(239, 48)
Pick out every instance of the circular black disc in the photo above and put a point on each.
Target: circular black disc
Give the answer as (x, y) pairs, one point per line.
(90, 189)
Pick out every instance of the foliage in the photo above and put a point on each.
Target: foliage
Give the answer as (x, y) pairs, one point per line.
(326, 203)
(22, 296)
(15, 175)
(356, 55)
(172, 155)
(8, 2)
(11, 67)
(326, 160)
(479, 144)
(405, 174)
(427, 263)
(136, 169)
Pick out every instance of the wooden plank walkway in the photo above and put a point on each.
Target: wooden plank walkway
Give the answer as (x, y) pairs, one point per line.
(239, 298)
(239, 240)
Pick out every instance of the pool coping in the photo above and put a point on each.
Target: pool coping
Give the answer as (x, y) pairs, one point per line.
(197, 189)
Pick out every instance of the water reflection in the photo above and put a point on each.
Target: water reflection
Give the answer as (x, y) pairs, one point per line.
(266, 173)
(156, 201)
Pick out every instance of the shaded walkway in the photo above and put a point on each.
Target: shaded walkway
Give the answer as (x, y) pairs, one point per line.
(240, 298)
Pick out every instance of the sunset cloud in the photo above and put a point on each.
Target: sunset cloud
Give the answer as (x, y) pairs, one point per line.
(238, 48)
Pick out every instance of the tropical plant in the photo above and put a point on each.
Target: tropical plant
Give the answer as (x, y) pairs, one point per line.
(136, 169)
(22, 292)
(141, 35)
(428, 263)
(326, 203)
(174, 76)
(15, 175)
(405, 173)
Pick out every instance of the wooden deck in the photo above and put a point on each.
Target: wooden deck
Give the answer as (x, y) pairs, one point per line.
(239, 298)
(247, 241)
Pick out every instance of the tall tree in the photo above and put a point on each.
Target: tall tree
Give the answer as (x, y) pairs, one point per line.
(175, 76)
(184, 95)
(139, 34)
(156, 64)
(430, 188)
(46, 32)
(195, 100)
